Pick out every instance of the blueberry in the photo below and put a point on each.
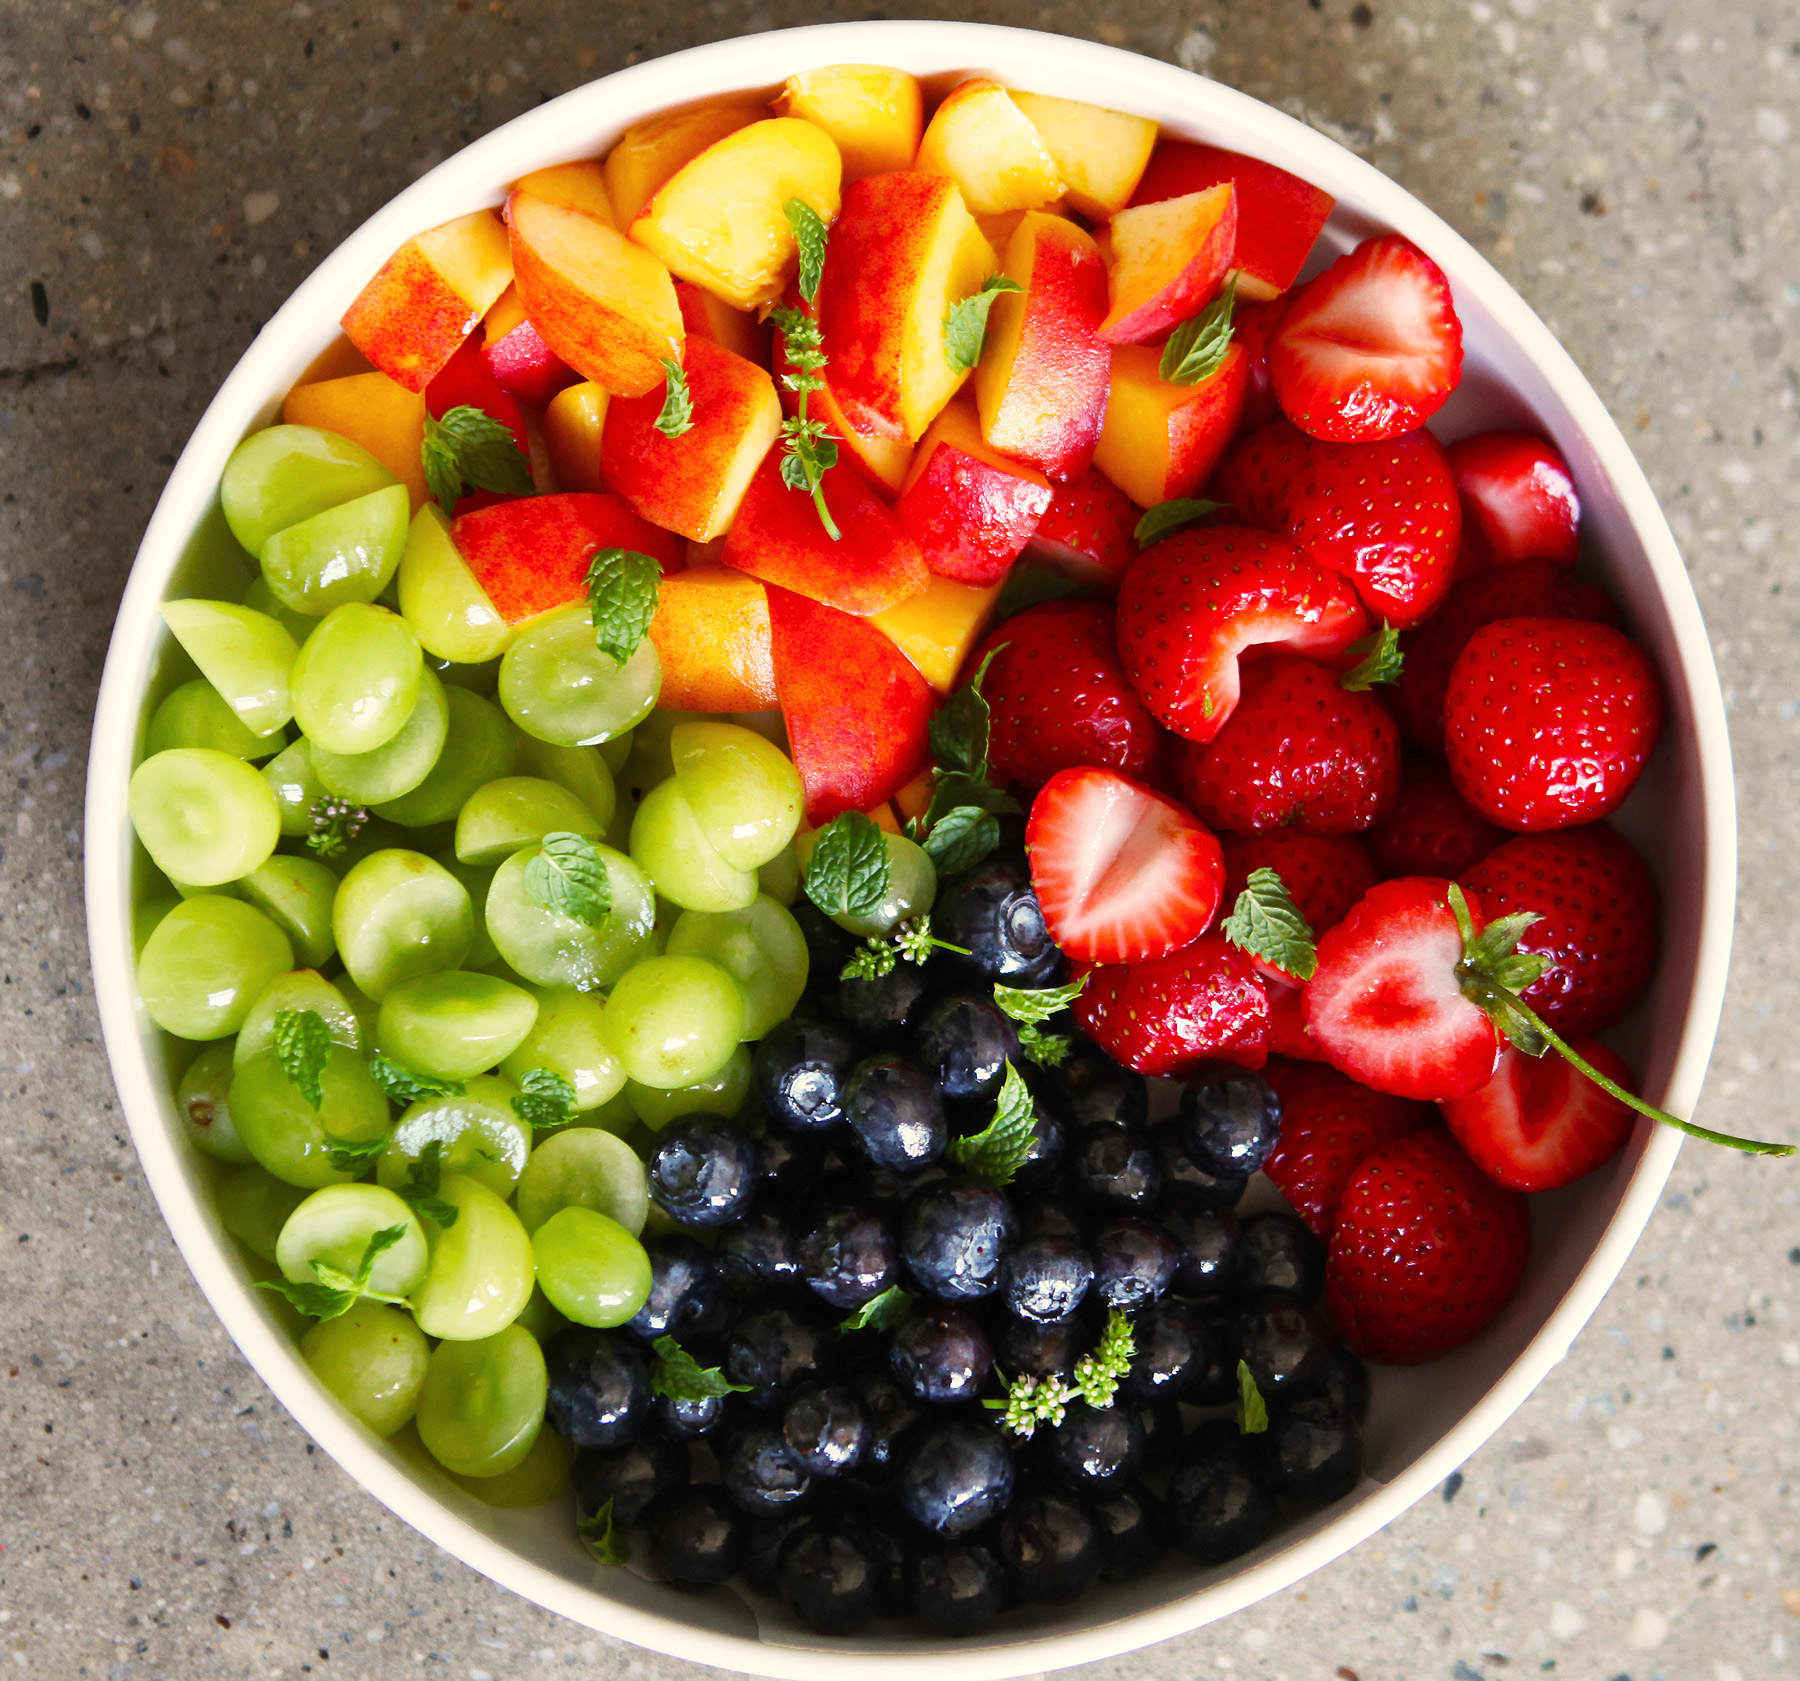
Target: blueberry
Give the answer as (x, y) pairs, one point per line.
(828, 1575)
(756, 1255)
(1046, 1279)
(789, 1163)
(958, 1589)
(942, 1355)
(1132, 1523)
(696, 1536)
(1312, 1450)
(964, 1043)
(1347, 1385)
(1186, 1184)
(849, 1257)
(827, 1425)
(953, 1236)
(704, 1171)
(1097, 1447)
(882, 1010)
(688, 1420)
(1230, 1122)
(768, 1351)
(1042, 1163)
(890, 1552)
(1277, 1256)
(800, 1069)
(765, 1539)
(891, 1413)
(955, 1478)
(1286, 1349)
(896, 1114)
(682, 1287)
(828, 947)
(630, 1477)
(1206, 1244)
(1047, 1217)
(1088, 1087)
(1215, 1377)
(1217, 1507)
(992, 913)
(1050, 1545)
(1022, 1348)
(1173, 1345)
(762, 1474)
(599, 1394)
(1134, 1262)
(1165, 1435)
(1114, 1168)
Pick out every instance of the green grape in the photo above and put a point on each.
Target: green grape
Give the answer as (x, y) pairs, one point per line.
(292, 1139)
(557, 685)
(584, 771)
(296, 789)
(723, 1094)
(296, 894)
(253, 1206)
(592, 1269)
(453, 1024)
(247, 656)
(333, 1227)
(203, 1101)
(362, 1006)
(397, 915)
(583, 1167)
(298, 989)
(674, 1020)
(540, 1318)
(515, 811)
(760, 947)
(373, 1359)
(666, 843)
(398, 765)
(555, 950)
(744, 791)
(448, 610)
(483, 1402)
(480, 1274)
(476, 1131)
(540, 1477)
(379, 836)
(614, 754)
(284, 474)
(204, 817)
(204, 964)
(194, 714)
(618, 831)
(357, 679)
(145, 915)
(258, 595)
(780, 877)
(479, 745)
(482, 680)
(346, 553)
(615, 1115)
(566, 1039)
(483, 953)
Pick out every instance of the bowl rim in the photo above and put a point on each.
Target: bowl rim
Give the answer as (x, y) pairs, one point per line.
(525, 142)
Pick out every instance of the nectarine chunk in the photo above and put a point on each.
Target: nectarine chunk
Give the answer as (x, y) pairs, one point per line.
(575, 186)
(969, 508)
(937, 629)
(572, 428)
(648, 153)
(711, 632)
(987, 146)
(1099, 154)
(1162, 440)
(372, 410)
(874, 114)
(1167, 260)
(736, 330)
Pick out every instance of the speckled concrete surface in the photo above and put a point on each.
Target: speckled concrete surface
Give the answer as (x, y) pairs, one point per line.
(169, 172)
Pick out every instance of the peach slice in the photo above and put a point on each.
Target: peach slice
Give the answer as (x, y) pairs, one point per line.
(338, 360)
(874, 114)
(605, 305)
(522, 364)
(575, 186)
(937, 629)
(1099, 154)
(987, 146)
(572, 429)
(1167, 260)
(648, 153)
(719, 219)
(969, 508)
(1162, 440)
(711, 632)
(372, 410)
(707, 317)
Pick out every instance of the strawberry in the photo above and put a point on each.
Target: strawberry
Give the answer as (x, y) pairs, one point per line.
(1298, 750)
(1329, 1126)
(1430, 829)
(1086, 531)
(1533, 587)
(1252, 326)
(1538, 1123)
(1518, 498)
(1384, 514)
(1597, 908)
(1324, 874)
(1426, 1252)
(1189, 606)
(1200, 1004)
(1122, 874)
(1057, 696)
(1547, 722)
(1370, 348)
(1287, 1016)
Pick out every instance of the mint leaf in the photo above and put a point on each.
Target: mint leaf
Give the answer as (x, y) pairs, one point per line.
(1266, 923)
(1034, 1004)
(545, 1099)
(1171, 516)
(352, 1157)
(622, 588)
(419, 1192)
(676, 1374)
(809, 237)
(999, 1150)
(880, 1313)
(678, 404)
(965, 327)
(302, 1045)
(1379, 660)
(404, 1086)
(848, 873)
(568, 876)
(960, 839)
(469, 447)
(602, 1537)
(1252, 1410)
(1196, 349)
(320, 1301)
(959, 728)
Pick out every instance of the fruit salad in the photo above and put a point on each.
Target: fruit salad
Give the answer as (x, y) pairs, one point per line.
(882, 861)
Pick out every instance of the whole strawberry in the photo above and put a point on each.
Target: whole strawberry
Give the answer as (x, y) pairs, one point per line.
(1518, 499)
(1324, 874)
(1203, 1003)
(1086, 532)
(1426, 1252)
(1299, 751)
(1430, 829)
(1547, 722)
(1058, 697)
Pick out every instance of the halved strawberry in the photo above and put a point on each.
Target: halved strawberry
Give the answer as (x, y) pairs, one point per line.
(1370, 348)
(1518, 498)
(1287, 1016)
(1538, 1123)
(1200, 1004)
(1086, 531)
(1122, 874)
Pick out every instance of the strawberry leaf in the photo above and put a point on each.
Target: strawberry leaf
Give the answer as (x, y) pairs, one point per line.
(1379, 660)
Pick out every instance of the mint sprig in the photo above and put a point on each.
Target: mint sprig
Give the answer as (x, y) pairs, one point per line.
(677, 414)
(810, 235)
(302, 1045)
(1166, 518)
(809, 451)
(622, 591)
(961, 794)
(1001, 1148)
(568, 876)
(965, 327)
(1031, 1008)
(353, 1156)
(911, 941)
(1196, 349)
(420, 1190)
(1031, 1401)
(849, 872)
(337, 1292)
(468, 447)
(1266, 923)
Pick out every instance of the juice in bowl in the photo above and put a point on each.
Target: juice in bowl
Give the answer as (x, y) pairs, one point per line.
(746, 981)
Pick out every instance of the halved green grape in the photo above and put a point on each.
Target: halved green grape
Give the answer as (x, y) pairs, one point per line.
(333, 1227)
(292, 1139)
(540, 1318)
(583, 1167)
(780, 877)
(592, 1269)
(398, 914)
(652, 757)
(615, 1115)
(204, 964)
(204, 817)
(760, 947)
(615, 754)
(297, 894)
(514, 811)
(453, 1024)
(666, 843)
(555, 950)
(449, 611)
(291, 780)
(480, 1274)
(744, 791)
(566, 1039)
(346, 553)
(721, 1094)
(257, 594)
(912, 884)
(557, 685)
(479, 745)
(247, 656)
(476, 1131)
(298, 989)
(584, 771)
(194, 714)
(674, 1020)
(362, 1006)
(398, 765)
(203, 1101)
(483, 1402)
(145, 915)
(373, 1359)
(356, 679)
(483, 953)
(253, 1206)
(540, 1477)
(284, 474)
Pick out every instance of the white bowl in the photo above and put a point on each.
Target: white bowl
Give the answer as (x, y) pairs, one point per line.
(1424, 1423)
